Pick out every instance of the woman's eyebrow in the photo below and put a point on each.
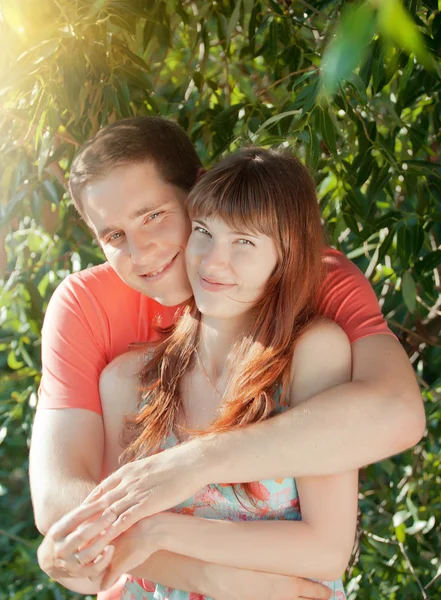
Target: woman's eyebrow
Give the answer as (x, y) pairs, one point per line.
(200, 222)
(247, 233)
(233, 232)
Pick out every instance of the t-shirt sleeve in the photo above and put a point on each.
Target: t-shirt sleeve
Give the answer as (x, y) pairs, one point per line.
(349, 300)
(73, 350)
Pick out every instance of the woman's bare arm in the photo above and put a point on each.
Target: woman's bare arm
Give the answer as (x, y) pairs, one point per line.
(320, 545)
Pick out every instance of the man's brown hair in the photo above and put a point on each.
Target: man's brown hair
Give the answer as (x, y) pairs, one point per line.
(133, 141)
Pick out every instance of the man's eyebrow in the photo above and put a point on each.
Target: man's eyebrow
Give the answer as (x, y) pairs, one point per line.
(142, 211)
(105, 232)
(138, 213)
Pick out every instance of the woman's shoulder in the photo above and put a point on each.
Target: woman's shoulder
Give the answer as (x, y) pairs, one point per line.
(318, 337)
(322, 359)
(119, 380)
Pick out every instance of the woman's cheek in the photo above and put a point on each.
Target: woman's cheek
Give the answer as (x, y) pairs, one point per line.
(192, 255)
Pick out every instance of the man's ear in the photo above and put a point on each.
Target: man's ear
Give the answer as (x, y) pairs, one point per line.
(201, 171)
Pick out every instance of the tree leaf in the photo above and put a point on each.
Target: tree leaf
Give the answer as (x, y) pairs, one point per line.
(327, 130)
(234, 19)
(276, 119)
(349, 46)
(397, 25)
(408, 289)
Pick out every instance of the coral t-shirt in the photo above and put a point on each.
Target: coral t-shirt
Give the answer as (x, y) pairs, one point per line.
(93, 316)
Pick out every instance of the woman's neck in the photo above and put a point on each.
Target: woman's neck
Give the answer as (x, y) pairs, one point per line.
(217, 337)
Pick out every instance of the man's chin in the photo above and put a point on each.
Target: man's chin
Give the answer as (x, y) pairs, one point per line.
(180, 294)
(173, 300)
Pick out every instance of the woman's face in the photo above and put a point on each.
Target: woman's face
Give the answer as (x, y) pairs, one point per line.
(228, 269)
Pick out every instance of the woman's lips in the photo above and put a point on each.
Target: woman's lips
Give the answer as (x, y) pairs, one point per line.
(213, 286)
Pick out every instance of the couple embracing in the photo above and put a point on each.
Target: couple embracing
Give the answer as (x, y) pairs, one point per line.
(224, 375)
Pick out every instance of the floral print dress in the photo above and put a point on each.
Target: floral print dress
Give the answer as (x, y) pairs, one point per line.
(274, 499)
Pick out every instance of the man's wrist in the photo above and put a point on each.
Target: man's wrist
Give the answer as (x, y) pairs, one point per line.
(209, 459)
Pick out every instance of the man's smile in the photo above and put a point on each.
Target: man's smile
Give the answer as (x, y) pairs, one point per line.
(157, 273)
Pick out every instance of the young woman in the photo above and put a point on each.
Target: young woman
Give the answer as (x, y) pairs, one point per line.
(251, 347)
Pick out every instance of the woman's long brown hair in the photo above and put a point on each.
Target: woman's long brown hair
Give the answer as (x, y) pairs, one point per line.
(260, 190)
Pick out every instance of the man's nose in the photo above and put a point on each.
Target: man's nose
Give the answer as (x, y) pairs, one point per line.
(141, 249)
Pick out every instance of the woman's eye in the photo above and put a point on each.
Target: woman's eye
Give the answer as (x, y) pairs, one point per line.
(201, 230)
(245, 242)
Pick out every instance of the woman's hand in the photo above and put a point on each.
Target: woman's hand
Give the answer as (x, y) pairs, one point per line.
(241, 584)
(59, 553)
(150, 485)
(133, 548)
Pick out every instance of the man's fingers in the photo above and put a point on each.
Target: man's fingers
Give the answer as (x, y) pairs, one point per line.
(75, 518)
(117, 498)
(122, 506)
(127, 518)
(311, 590)
(105, 486)
(82, 536)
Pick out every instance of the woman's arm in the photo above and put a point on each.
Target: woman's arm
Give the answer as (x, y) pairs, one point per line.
(320, 545)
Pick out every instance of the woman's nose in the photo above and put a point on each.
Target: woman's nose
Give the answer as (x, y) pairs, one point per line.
(215, 257)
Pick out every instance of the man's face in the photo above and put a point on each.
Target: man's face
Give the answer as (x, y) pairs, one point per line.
(143, 228)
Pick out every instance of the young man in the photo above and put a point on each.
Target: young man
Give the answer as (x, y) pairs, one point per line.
(129, 183)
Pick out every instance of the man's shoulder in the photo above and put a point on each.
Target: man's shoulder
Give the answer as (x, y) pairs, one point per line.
(94, 277)
(95, 291)
(339, 268)
(334, 260)
(98, 281)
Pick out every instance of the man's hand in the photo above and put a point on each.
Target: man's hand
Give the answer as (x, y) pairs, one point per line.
(59, 553)
(241, 584)
(150, 485)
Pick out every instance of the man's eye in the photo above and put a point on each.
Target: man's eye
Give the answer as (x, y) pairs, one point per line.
(115, 236)
(153, 216)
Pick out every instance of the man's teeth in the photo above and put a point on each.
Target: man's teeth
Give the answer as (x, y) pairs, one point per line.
(154, 273)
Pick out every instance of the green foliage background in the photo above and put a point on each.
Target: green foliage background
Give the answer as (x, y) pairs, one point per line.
(233, 72)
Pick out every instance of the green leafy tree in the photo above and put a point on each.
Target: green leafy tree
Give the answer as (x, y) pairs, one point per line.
(353, 89)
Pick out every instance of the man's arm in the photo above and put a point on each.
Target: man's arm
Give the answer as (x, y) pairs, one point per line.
(378, 414)
(65, 461)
